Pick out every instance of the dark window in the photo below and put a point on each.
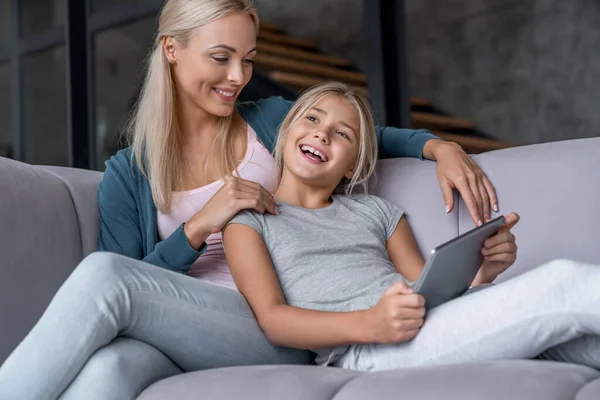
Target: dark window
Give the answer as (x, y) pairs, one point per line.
(102, 5)
(45, 110)
(5, 111)
(5, 23)
(42, 15)
(118, 61)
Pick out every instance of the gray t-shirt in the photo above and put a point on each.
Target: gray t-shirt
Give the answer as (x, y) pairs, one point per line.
(333, 258)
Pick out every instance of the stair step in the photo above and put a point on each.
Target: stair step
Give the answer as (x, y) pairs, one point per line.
(284, 39)
(273, 63)
(286, 51)
(421, 120)
(300, 81)
(270, 27)
(472, 144)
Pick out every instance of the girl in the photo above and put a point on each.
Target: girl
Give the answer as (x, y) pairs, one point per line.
(127, 318)
(332, 271)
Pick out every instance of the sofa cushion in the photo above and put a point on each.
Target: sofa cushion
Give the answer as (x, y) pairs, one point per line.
(555, 188)
(529, 380)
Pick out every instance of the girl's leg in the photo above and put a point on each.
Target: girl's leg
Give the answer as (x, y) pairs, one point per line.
(120, 370)
(195, 324)
(556, 306)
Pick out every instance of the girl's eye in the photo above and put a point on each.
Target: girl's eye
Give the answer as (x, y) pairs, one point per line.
(311, 118)
(342, 134)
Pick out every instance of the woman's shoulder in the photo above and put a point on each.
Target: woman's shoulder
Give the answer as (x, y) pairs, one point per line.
(121, 168)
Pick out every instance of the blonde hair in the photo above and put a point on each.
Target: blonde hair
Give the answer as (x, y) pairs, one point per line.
(367, 154)
(153, 131)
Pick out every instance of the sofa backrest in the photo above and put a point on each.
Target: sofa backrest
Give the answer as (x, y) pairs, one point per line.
(554, 187)
(49, 217)
(48, 222)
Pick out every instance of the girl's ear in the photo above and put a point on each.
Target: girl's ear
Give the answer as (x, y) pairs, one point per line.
(349, 174)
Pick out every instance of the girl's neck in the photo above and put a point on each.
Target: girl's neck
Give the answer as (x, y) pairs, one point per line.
(301, 194)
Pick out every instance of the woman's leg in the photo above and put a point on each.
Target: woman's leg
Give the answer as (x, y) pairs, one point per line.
(195, 324)
(556, 307)
(120, 370)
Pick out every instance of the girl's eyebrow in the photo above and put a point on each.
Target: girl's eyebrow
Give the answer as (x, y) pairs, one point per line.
(231, 49)
(341, 122)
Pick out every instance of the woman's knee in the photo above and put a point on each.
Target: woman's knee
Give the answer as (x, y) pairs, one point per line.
(99, 269)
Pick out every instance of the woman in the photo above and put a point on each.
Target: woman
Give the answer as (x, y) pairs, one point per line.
(122, 321)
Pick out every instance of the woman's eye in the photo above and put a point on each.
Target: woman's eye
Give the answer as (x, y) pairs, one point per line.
(250, 62)
(342, 134)
(220, 59)
(311, 118)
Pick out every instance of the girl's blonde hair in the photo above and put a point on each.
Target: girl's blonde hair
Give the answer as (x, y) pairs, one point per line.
(364, 169)
(153, 131)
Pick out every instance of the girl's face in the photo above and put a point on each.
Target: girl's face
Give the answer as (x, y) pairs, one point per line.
(215, 65)
(322, 146)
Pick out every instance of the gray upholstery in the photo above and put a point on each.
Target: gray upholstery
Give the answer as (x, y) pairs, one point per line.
(49, 221)
(477, 381)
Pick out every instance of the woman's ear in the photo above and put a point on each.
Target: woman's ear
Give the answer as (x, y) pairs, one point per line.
(168, 45)
(349, 174)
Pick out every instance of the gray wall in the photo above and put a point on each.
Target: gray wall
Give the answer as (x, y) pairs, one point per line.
(525, 71)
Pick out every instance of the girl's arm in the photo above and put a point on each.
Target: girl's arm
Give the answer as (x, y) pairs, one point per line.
(404, 252)
(284, 325)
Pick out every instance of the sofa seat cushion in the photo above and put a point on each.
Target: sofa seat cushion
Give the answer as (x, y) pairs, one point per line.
(518, 379)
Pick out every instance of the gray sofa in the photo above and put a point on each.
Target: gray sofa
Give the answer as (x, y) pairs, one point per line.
(49, 222)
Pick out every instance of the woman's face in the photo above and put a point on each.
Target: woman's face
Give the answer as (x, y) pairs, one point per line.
(215, 64)
(322, 145)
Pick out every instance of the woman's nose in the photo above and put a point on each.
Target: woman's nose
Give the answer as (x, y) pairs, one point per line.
(236, 74)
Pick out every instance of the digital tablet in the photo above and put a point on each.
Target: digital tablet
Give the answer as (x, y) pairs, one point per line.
(451, 268)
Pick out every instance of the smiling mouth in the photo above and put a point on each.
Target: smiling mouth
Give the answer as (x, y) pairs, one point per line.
(313, 154)
(225, 95)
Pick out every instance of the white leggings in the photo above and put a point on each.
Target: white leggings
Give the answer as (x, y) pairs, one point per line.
(552, 311)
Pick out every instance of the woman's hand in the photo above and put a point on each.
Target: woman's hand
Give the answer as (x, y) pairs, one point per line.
(499, 251)
(235, 195)
(456, 170)
(397, 317)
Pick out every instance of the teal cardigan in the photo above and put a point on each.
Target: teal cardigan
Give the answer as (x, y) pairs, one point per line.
(128, 216)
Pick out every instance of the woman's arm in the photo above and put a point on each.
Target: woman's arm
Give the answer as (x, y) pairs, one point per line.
(404, 252)
(120, 226)
(284, 325)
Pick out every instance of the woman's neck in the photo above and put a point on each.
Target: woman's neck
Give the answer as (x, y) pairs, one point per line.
(293, 191)
(197, 128)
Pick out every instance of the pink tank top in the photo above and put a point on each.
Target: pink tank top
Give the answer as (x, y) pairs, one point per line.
(258, 166)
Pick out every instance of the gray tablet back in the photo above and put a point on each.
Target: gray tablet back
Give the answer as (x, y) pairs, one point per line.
(452, 266)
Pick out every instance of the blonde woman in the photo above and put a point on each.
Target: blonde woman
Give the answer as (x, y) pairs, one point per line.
(161, 301)
(332, 271)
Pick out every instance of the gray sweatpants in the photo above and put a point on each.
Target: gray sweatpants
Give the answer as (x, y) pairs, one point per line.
(117, 325)
(552, 311)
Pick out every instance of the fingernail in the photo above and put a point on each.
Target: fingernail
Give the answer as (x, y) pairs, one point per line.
(447, 209)
(479, 223)
(495, 207)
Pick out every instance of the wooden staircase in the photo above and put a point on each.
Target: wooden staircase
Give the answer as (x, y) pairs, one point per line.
(297, 64)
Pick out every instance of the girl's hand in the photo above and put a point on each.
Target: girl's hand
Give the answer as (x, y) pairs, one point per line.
(235, 195)
(397, 317)
(500, 252)
(456, 170)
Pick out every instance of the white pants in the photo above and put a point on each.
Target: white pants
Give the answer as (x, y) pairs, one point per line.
(552, 311)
